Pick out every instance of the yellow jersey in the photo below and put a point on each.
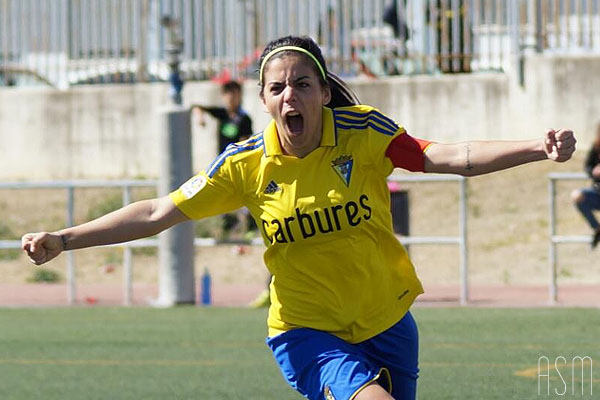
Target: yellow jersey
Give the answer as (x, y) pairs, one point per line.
(326, 222)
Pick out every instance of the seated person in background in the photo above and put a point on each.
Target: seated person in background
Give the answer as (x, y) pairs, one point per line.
(588, 199)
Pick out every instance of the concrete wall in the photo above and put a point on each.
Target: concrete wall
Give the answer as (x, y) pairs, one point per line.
(111, 131)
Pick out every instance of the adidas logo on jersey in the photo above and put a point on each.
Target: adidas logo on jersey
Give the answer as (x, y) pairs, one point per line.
(272, 187)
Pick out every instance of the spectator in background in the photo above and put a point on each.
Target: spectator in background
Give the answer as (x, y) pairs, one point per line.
(234, 125)
(588, 199)
(392, 18)
(397, 22)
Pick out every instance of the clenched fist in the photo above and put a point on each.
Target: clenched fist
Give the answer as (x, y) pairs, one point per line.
(41, 247)
(559, 145)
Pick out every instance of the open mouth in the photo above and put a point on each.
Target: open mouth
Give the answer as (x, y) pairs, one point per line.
(295, 123)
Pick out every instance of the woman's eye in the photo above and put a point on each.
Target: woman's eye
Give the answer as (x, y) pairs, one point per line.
(303, 84)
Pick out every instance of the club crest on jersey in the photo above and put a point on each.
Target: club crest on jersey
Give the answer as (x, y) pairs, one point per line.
(343, 167)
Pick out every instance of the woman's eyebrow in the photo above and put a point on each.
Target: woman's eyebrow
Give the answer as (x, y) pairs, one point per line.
(302, 77)
(274, 82)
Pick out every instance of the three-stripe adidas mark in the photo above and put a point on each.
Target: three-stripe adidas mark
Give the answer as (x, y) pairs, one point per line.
(272, 187)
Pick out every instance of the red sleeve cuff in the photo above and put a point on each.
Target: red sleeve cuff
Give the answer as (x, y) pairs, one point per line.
(408, 152)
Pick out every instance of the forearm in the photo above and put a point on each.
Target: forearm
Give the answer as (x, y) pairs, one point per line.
(137, 220)
(211, 110)
(482, 157)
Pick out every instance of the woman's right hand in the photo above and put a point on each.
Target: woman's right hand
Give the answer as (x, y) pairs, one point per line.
(41, 247)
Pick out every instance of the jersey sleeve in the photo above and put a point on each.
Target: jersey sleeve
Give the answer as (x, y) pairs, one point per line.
(208, 194)
(407, 152)
(390, 146)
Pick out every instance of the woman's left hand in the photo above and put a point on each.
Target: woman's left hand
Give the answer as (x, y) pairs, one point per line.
(559, 145)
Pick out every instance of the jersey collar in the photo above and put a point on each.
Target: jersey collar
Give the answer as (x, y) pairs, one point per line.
(328, 136)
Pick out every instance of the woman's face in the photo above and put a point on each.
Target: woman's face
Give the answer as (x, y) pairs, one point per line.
(294, 96)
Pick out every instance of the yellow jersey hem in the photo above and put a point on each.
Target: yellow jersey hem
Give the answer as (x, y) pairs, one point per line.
(408, 300)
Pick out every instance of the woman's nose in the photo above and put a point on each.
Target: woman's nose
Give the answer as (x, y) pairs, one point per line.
(289, 94)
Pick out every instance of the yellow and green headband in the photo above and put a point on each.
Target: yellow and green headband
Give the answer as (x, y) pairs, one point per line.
(285, 48)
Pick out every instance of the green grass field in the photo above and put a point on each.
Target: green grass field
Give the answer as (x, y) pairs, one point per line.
(184, 353)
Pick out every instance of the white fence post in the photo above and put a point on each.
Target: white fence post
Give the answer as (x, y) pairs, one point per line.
(127, 267)
(464, 260)
(71, 285)
(553, 289)
(554, 238)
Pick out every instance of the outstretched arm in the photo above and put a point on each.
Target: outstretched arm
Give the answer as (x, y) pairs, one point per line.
(137, 220)
(477, 158)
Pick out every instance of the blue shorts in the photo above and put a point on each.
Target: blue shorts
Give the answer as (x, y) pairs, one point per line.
(322, 366)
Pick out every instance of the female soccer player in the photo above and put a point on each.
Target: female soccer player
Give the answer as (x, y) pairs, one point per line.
(315, 182)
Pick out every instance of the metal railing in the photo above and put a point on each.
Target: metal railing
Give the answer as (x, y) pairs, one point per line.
(70, 186)
(460, 239)
(68, 42)
(126, 185)
(554, 238)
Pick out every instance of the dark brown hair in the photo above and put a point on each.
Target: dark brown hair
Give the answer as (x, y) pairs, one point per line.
(341, 94)
(231, 86)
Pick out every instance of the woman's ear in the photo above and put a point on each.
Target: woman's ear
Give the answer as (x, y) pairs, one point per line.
(264, 103)
(326, 94)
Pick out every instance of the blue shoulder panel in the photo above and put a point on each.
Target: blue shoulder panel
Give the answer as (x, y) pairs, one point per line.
(254, 142)
(368, 119)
